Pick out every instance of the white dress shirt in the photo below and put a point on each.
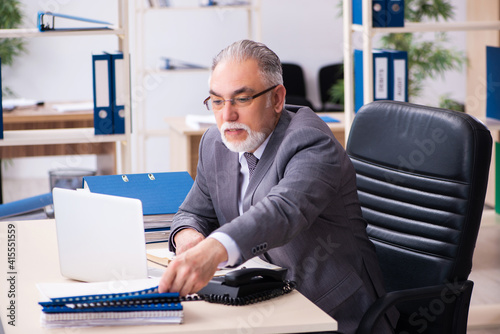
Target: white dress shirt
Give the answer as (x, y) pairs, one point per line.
(233, 252)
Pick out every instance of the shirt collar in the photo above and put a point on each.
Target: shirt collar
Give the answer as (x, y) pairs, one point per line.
(260, 150)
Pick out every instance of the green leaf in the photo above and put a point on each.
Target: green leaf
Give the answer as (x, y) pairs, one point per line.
(11, 17)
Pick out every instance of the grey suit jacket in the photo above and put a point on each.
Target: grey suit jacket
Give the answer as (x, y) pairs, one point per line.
(301, 210)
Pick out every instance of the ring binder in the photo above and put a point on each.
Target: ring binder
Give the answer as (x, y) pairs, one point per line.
(110, 309)
(160, 193)
(49, 25)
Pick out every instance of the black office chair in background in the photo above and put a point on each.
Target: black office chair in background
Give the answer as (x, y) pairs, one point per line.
(422, 174)
(328, 76)
(294, 82)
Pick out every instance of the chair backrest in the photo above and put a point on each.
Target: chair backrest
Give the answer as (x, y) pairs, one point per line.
(422, 175)
(293, 79)
(329, 75)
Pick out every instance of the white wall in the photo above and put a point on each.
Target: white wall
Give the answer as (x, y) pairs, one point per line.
(59, 69)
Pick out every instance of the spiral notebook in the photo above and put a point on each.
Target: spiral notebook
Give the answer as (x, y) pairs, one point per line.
(77, 305)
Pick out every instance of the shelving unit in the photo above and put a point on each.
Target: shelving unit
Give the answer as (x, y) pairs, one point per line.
(81, 135)
(368, 32)
(143, 70)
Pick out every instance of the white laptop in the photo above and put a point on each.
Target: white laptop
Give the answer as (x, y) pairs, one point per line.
(100, 237)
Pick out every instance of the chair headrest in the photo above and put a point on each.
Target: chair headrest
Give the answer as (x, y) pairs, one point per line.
(417, 139)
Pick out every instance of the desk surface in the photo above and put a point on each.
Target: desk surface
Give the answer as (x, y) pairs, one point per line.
(46, 113)
(36, 261)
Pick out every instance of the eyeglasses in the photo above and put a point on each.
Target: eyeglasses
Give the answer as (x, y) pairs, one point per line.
(217, 103)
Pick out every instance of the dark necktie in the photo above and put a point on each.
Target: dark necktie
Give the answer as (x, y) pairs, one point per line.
(252, 162)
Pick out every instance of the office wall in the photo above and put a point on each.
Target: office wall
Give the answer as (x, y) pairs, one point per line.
(59, 68)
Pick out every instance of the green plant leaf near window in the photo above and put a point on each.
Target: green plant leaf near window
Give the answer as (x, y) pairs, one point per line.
(11, 17)
(426, 58)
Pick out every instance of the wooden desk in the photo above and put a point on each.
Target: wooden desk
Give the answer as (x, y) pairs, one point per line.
(36, 261)
(184, 141)
(45, 117)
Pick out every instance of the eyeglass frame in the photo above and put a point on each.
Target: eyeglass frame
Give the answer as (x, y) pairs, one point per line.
(251, 98)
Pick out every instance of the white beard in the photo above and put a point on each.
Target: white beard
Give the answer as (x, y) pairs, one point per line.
(253, 141)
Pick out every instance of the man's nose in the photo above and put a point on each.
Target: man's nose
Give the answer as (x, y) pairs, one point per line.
(229, 112)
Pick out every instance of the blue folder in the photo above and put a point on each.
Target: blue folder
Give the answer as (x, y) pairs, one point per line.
(46, 22)
(160, 193)
(398, 75)
(395, 13)
(102, 88)
(25, 205)
(117, 90)
(379, 12)
(380, 77)
(492, 82)
(385, 13)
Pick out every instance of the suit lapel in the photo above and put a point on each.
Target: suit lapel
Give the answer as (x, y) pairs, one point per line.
(228, 171)
(267, 158)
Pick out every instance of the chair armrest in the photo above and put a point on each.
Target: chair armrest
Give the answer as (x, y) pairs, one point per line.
(381, 305)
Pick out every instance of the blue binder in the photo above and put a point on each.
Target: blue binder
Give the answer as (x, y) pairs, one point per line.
(102, 84)
(117, 91)
(1, 105)
(25, 205)
(385, 13)
(358, 80)
(46, 22)
(379, 12)
(492, 82)
(395, 13)
(357, 12)
(398, 75)
(380, 77)
(160, 193)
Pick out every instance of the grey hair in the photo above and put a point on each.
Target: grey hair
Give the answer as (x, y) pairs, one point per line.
(268, 62)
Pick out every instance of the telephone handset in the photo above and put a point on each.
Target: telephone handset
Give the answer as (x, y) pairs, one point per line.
(247, 285)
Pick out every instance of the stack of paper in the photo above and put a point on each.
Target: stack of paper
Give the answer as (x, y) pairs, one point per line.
(92, 304)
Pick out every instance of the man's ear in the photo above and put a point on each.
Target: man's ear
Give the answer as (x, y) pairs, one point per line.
(279, 98)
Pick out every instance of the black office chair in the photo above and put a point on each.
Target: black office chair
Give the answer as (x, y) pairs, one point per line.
(328, 76)
(294, 82)
(422, 174)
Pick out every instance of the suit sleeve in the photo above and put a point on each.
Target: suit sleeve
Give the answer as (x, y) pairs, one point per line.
(197, 210)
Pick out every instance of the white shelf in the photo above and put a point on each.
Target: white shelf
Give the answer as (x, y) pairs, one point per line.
(432, 27)
(56, 136)
(192, 8)
(173, 71)
(22, 33)
(142, 69)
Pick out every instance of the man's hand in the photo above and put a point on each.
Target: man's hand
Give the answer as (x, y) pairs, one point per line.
(186, 239)
(192, 270)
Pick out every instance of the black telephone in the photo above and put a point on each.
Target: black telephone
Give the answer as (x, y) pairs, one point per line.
(247, 285)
